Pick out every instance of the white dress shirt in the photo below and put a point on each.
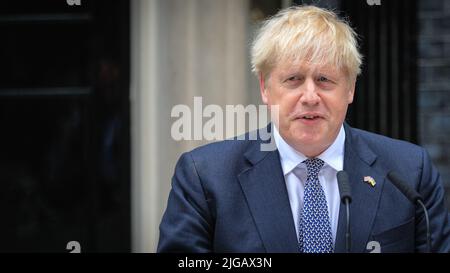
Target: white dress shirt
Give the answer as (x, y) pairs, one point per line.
(294, 172)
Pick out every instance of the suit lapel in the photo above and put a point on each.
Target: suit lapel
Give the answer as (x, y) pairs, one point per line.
(266, 194)
(358, 163)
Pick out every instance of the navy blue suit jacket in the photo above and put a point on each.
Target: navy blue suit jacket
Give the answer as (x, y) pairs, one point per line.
(230, 196)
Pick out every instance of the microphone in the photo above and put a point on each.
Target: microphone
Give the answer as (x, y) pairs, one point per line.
(414, 197)
(346, 198)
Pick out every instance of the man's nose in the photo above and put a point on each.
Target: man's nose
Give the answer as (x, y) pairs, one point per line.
(309, 94)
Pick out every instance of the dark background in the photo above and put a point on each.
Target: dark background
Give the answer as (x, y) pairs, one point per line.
(64, 146)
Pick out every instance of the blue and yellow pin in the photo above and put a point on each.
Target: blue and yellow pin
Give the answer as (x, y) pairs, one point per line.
(369, 180)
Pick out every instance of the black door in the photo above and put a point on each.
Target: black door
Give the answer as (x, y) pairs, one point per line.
(64, 113)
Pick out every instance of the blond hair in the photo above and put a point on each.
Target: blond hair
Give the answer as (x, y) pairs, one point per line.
(306, 33)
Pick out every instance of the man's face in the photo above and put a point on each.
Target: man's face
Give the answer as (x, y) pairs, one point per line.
(312, 101)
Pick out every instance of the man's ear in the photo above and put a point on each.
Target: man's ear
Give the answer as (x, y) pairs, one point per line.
(263, 89)
(351, 92)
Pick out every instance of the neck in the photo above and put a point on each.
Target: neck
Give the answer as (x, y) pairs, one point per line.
(312, 152)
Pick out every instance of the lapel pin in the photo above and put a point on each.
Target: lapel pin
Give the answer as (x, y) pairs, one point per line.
(369, 180)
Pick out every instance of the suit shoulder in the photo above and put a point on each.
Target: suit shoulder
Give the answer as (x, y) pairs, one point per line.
(383, 144)
(223, 159)
(220, 148)
(229, 148)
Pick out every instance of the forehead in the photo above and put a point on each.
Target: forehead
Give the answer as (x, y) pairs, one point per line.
(301, 66)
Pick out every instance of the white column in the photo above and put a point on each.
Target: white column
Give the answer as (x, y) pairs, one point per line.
(144, 122)
(180, 49)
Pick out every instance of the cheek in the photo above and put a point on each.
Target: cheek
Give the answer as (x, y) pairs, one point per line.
(290, 100)
(341, 110)
(279, 97)
(288, 104)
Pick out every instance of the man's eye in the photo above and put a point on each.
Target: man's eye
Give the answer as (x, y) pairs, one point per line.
(323, 79)
(293, 78)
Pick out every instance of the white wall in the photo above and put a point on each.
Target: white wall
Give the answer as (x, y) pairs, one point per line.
(179, 49)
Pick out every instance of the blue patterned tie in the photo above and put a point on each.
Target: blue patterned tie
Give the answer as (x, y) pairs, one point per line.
(314, 226)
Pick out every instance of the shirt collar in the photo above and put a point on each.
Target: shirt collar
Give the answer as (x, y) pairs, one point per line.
(333, 156)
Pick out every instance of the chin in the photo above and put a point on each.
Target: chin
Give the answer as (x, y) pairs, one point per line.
(305, 139)
(307, 135)
(308, 141)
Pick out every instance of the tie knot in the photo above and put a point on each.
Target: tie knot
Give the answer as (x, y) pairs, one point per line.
(313, 166)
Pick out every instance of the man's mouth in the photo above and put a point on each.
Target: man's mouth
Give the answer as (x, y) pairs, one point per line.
(309, 117)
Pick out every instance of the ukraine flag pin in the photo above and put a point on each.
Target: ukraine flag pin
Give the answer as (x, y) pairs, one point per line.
(369, 180)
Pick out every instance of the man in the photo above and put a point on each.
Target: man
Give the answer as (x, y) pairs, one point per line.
(231, 196)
